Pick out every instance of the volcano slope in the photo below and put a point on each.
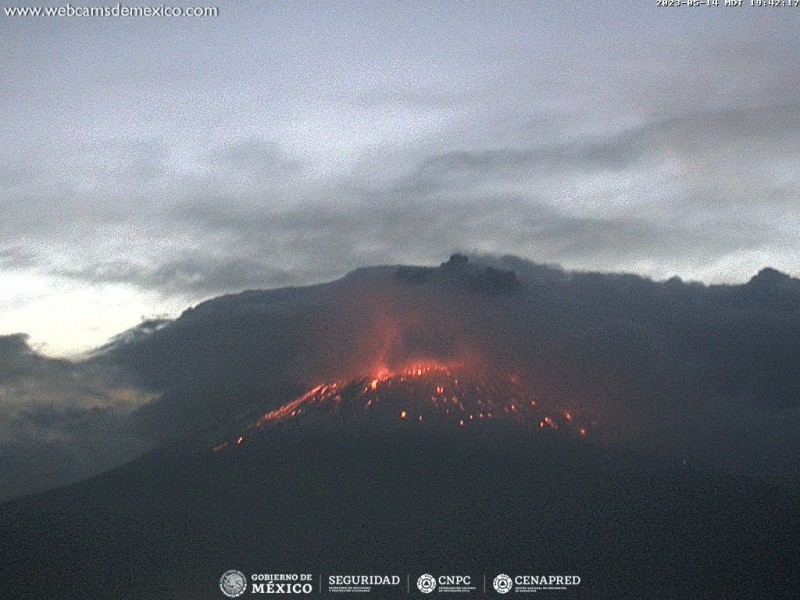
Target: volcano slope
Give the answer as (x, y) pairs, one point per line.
(356, 499)
(447, 420)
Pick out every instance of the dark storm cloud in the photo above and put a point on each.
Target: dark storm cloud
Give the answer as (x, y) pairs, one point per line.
(387, 224)
(203, 275)
(614, 153)
(456, 198)
(16, 257)
(60, 421)
(288, 139)
(666, 191)
(451, 200)
(13, 348)
(13, 174)
(143, 161)
(253, 156)
(705, 144)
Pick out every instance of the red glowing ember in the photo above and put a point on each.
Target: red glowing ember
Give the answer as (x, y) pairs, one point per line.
(429, 391)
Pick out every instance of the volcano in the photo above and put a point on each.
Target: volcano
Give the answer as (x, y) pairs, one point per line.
(451, 420)
(340, 500)
(423, 396)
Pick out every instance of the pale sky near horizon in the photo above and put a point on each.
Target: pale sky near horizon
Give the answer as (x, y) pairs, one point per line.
(149, 163)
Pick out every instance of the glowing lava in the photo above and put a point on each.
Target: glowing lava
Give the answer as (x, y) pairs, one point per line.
(419, 396)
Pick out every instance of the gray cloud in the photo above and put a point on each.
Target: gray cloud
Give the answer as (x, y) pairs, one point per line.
(16, 257)
(603, 156)
(199, 274)
(61, 421)
(252, 156)
(474, 200)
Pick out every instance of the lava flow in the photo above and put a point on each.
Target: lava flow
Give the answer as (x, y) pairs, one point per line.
(419, 396)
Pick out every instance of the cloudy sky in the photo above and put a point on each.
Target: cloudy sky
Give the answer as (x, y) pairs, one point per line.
(148, 163)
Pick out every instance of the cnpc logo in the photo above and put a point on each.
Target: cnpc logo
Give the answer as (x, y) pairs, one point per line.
(427, 583)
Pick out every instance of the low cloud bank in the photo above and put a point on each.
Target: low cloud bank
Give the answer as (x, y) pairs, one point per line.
(60, 421)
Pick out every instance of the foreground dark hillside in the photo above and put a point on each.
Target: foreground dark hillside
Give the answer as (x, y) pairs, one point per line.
(169, 524)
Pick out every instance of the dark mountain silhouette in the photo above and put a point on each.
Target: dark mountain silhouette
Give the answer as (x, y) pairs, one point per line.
(459, 272)
(706, 372)
(487, 415)
(169, 524)
(684, 335)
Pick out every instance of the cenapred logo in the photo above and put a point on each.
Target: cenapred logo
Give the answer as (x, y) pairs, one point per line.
(426, 583)
(233, 583)
(502, 583)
